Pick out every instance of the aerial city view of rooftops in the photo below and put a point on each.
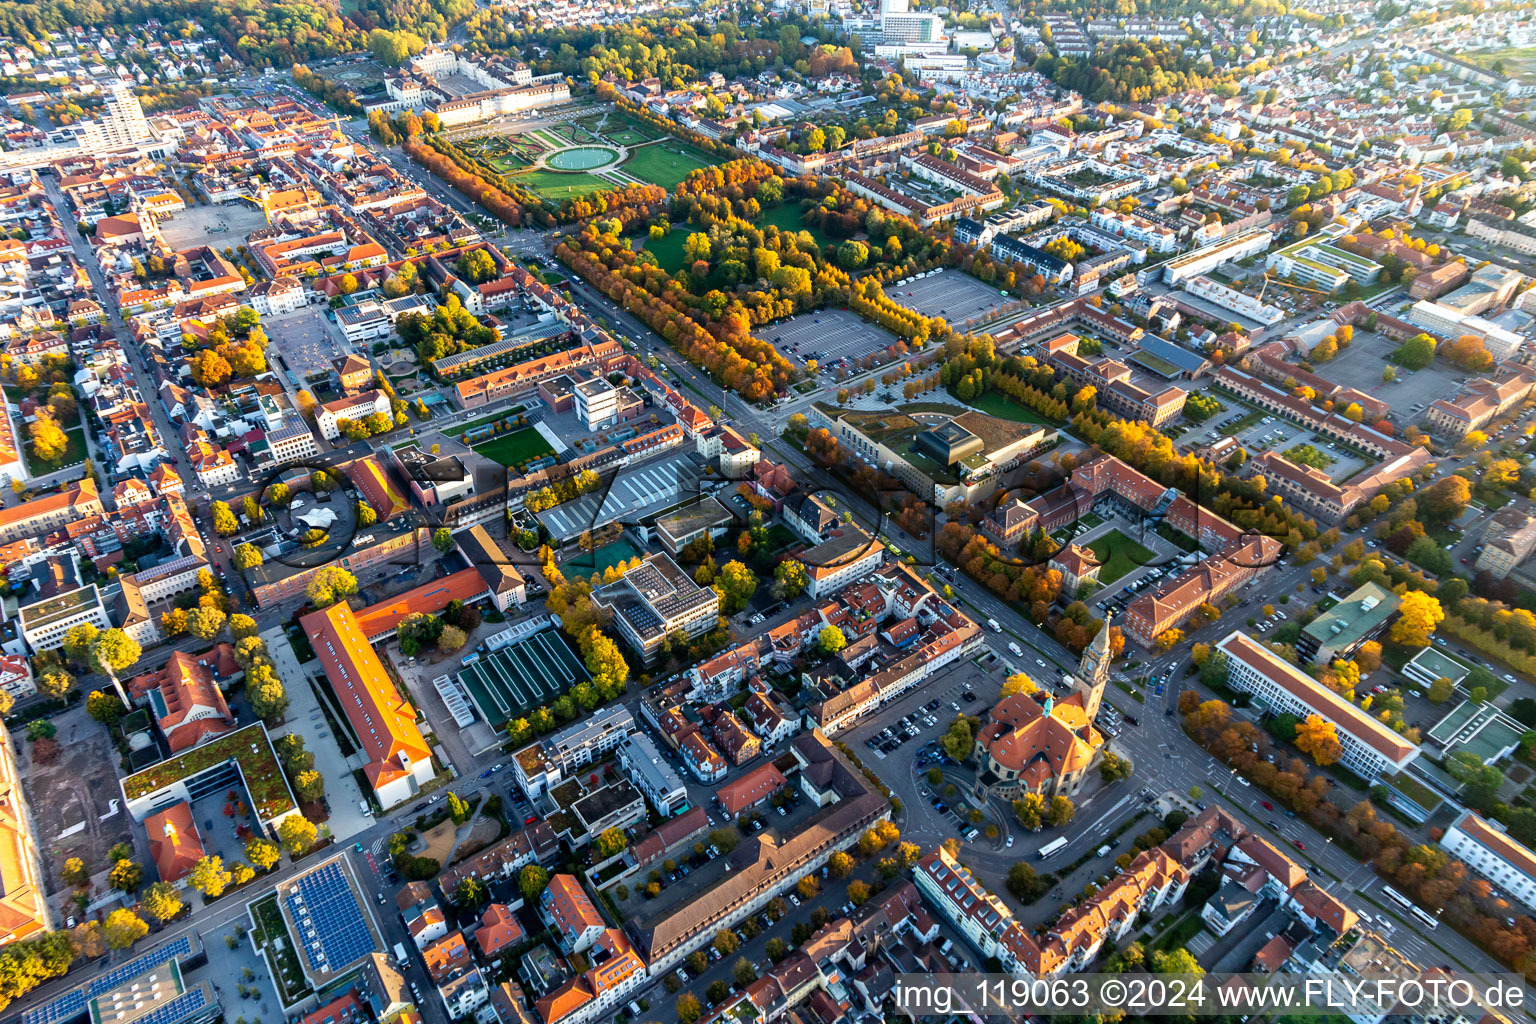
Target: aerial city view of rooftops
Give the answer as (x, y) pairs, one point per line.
(586, 511)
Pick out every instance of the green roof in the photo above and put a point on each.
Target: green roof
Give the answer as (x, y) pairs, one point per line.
(250, 746)
(1353, 618)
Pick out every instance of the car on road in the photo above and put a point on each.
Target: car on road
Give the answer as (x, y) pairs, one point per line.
(1299, 844)
(1266, 805)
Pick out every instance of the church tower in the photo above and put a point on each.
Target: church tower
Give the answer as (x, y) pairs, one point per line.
(1093, 672)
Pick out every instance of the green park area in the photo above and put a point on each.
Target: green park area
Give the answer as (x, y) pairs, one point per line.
(1118, 555)
(516, 448)
(664, 163)
(1516, 61)
(669, 249)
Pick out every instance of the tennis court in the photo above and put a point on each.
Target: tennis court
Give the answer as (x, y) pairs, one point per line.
(522, 677)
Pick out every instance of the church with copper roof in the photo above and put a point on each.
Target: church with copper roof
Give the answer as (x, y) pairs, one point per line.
(1034, 743)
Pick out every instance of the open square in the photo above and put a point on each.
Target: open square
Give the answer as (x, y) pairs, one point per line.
(521, 677)
(951, 294)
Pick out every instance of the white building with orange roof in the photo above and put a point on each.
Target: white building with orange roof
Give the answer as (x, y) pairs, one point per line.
(1490, 851)
(185, 696)
(569, 911)
(1033, 743)
(353, 407)
(16, 676)
(617, 972)
(396, 759)
(1370, 747)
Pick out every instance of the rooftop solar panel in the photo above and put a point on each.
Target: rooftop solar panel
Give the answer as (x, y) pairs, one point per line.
(72, 1004)
(329, 923)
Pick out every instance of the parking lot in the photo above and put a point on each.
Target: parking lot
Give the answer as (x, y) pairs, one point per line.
(951, 294)
(1271, 433)
(1359, 366)
(827, 337)
(306, 342)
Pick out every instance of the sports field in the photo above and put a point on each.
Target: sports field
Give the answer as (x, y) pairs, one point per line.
(520, 678)
(1119, 555)
(516, 447)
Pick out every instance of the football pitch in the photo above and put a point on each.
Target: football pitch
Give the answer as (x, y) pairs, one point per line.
(522, 677)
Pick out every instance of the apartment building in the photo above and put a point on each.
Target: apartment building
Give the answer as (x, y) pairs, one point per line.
(1508, 540)
(652, 774)
(1371, 749)
(1114, 389)
(545, 763)
(51, 511)
(1249, 242)
(1487, 849)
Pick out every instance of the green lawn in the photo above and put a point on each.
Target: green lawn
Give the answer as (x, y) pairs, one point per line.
(73, 455)
(786, 217)
(516, 447)
(462, 429)
(1119, 555)
(665, 163)
(558, 185)
(994, 403)
(669, 251)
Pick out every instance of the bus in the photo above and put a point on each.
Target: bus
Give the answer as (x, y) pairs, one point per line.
(1055, 846)
(1397, 897)
(1430, 921)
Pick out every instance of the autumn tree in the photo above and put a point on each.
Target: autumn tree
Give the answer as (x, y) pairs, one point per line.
(1320, 739)
(1418, 615)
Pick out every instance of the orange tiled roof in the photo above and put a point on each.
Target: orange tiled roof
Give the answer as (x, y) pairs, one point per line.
(383, 721)
(428, 599)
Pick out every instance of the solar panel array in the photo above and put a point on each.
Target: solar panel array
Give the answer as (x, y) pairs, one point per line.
(330, 925)
(183, 1006)
(72, 1004)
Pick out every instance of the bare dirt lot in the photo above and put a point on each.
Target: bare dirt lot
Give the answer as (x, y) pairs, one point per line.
(79, 787)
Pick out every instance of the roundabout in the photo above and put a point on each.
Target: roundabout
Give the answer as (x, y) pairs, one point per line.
(583, 159)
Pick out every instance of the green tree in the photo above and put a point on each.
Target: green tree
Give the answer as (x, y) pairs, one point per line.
(75, 873)
(831, 640)
(247, 556)
(105, 708)
(532, 881)
(458, 809)
(442, 540)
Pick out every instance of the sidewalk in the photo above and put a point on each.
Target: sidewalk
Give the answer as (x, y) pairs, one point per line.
(306, 719)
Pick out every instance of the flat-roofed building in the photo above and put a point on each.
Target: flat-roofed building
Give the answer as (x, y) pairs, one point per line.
(652, 774)
(655, 599)
(705, 517)
(544, 764)
(43, 623)
(1341, 630)
(1490, 851)
(396, 759)
(1371, 748)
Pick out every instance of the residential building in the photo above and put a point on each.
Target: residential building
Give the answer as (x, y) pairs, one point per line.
(546, 762)
(569, 912)
(652, 774)
(1371, 748)
(1508, 540)
(616, 973)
